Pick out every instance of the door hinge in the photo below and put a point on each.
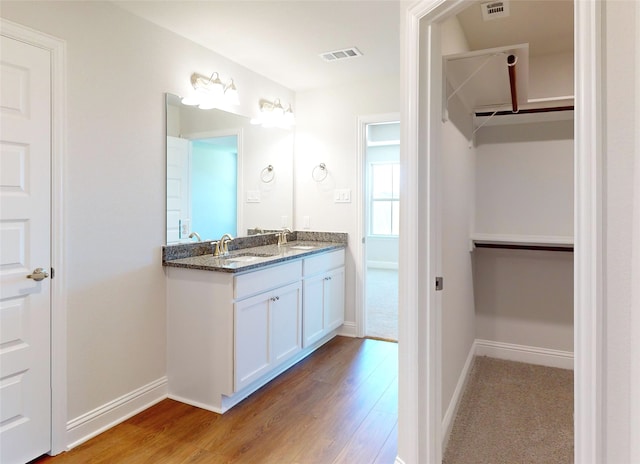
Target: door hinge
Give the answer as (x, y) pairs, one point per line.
(439, 283)
(53, 273)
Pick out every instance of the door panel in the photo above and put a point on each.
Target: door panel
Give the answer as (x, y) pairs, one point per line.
(286, 327)
(25, 173)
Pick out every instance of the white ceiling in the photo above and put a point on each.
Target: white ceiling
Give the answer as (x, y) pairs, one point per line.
(547, 25)
(282, 40)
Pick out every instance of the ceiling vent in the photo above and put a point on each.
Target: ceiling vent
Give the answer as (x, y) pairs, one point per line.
(495, 10)
(341, 54)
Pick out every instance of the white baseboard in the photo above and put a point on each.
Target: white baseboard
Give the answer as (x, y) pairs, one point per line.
(526, 354)
(454, 404)
(94, 422)
(348, 329)
(382, 265)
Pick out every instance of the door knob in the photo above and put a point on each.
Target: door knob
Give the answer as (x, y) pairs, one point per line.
(38, 275)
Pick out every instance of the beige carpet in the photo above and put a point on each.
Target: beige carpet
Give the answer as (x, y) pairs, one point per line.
(382, 304)
(513, 413)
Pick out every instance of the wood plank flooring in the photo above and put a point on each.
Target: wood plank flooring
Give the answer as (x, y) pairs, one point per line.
(337, 406)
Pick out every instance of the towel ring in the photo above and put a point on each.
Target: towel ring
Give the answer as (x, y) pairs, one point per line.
(267, 174)
(320, 172)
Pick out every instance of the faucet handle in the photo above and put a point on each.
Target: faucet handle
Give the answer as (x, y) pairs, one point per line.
(216, 247)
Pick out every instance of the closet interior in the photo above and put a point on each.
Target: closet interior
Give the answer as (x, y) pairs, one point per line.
(507, 190)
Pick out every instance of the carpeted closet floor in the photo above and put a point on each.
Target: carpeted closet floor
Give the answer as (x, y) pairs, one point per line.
(382, 304)
(513, 413)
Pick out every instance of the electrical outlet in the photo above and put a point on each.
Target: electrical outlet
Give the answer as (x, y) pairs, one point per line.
(185, 228)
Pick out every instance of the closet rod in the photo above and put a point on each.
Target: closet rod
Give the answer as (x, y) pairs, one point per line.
(511, 65)
(525, 247)
(525, 111)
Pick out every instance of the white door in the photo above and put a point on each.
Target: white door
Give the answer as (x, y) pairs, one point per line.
(25, 318)
(178, 198)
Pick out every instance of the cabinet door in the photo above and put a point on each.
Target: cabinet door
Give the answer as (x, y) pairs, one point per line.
(334, 299)
(251, 341)
(313, 309)
(286, 323)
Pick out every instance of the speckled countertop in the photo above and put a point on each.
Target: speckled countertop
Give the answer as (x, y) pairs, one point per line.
(250, 257)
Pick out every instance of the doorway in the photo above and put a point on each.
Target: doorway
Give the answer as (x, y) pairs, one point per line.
(380, 225)
(420, 337)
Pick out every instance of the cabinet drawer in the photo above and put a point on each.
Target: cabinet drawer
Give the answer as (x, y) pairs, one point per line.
(323, 262)
(266, 279)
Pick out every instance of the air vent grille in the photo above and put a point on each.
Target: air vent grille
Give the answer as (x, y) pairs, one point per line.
(494, 10)
(341, 54)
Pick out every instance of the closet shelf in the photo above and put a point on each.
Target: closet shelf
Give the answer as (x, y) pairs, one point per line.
(533, 242)
(481, 78)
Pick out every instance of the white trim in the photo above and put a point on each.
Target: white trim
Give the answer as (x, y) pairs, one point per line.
(454, 404)
(526, 354)
(588, 282)
(57, 49)
(361, 208)
(348, 329)
(94, 422)
(635, 273)
(419, 360)
(382, 265)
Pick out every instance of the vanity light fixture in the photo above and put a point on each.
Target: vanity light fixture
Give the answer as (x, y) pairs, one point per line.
(273, 114)
(211, 92)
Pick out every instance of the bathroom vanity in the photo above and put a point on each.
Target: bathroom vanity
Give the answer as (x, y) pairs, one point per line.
(235, 322)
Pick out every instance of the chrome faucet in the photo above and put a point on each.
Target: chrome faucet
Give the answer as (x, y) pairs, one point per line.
(223, 245)
(196, 235)
(282, 236)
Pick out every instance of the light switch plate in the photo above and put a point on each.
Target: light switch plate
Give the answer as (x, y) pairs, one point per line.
(253, 196)
(342, 196)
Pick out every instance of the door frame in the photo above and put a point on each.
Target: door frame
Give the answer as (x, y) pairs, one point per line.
(361, 208)
(57, 49)
(420, 425)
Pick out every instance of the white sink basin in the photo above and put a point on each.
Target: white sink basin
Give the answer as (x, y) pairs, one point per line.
(242, 259)
(302, 247)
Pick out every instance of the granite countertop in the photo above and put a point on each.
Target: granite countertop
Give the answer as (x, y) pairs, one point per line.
(255, 257)
(252, 252)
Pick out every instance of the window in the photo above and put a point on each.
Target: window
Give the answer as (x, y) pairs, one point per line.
(385, 199)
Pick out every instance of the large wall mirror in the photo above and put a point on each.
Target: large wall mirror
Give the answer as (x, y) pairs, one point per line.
(225, 175)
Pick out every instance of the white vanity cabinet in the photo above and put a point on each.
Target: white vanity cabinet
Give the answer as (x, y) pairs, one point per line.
(267, 326)
(230, 333)
(323, 295)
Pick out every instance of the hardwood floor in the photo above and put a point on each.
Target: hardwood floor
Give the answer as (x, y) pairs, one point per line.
(337, 406)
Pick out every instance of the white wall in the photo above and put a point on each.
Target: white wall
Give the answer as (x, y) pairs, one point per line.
(550, 75)
(326, 132)
(524, 297)
(525, 187)
(525, 179)
(458, 320)
(622, 32)
(118, 69)
(458, 185)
